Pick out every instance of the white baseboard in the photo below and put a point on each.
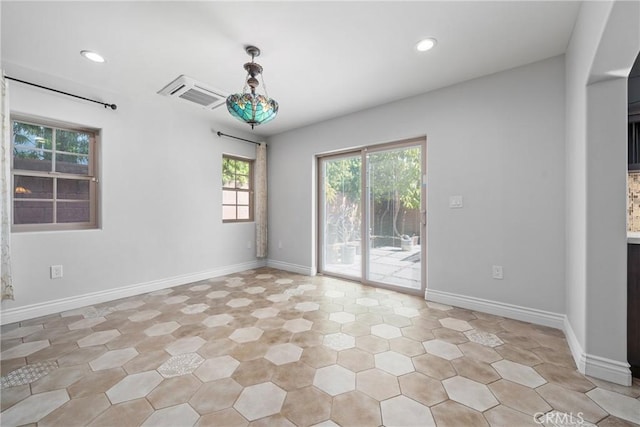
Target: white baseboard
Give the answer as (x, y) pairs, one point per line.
(293, 268)
(596, 366)
(525, 314)
(574, 345)
(588, 364)
(18, 314)
(608, 369)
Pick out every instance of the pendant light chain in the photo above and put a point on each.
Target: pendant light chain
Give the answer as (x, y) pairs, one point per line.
(246, 84)
(264, 86)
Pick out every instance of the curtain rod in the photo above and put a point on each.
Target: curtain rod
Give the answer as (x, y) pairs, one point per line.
(235, 137)
(106, 105)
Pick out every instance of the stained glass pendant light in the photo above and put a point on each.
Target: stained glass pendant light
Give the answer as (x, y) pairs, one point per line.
(249, 106)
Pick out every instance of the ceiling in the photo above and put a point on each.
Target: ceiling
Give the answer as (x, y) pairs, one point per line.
(321, 59)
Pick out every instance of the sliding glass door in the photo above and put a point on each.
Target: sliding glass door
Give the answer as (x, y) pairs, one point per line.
(373, 215)
(341, 211)
(394, 199)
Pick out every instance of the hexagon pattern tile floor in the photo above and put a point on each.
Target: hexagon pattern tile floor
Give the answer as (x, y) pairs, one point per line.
(271, 348)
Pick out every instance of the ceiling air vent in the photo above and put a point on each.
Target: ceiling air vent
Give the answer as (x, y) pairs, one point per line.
(188, 89)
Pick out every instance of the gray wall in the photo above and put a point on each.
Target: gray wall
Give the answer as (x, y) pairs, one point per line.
(579, 57)
(498, 141)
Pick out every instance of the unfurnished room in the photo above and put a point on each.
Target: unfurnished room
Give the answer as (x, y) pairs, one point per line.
(320, 213)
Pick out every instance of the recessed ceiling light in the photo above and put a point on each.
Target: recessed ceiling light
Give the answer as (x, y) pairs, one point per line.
(92, 56)
(426, 44)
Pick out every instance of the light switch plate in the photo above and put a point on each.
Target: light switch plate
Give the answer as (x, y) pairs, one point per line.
(455, 202)
(496, 272)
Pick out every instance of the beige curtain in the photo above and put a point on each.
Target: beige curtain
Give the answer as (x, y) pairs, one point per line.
(261, 200)
(5, 193)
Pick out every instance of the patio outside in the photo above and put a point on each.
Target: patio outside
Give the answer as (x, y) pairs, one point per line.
(388, 265)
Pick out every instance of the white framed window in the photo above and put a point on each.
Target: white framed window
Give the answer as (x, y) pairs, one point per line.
(53, 170)
(237, 189)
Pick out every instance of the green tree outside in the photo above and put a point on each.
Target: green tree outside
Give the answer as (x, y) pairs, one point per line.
(395, 188)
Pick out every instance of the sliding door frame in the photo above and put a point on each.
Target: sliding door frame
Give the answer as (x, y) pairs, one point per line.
(365, 216)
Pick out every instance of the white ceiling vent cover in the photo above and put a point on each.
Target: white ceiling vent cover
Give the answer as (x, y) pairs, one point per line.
(189, 89)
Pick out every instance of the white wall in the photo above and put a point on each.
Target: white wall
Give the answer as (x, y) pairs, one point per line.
(498, 141)
(579, 56)
(160, 185)
(606, 332)
(603, 47)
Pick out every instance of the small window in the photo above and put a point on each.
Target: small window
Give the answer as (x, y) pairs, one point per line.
(53, 171)
(237, 189)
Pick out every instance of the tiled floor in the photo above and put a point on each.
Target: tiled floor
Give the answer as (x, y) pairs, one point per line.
(269, 348)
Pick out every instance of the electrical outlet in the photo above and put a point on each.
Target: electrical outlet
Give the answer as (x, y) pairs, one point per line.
(279, 244)
(248, 244)
(496, 272)
(56, 271)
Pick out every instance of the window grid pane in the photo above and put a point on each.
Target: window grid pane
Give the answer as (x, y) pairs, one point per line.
(228, 197)
(73, 211)
(243, 198)
(229, 213)
(33, 187)
(32, 212)
(72, 163)
(72, 189)
(32, 159)
(32, 136)
(243, 212)
(72, 141)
